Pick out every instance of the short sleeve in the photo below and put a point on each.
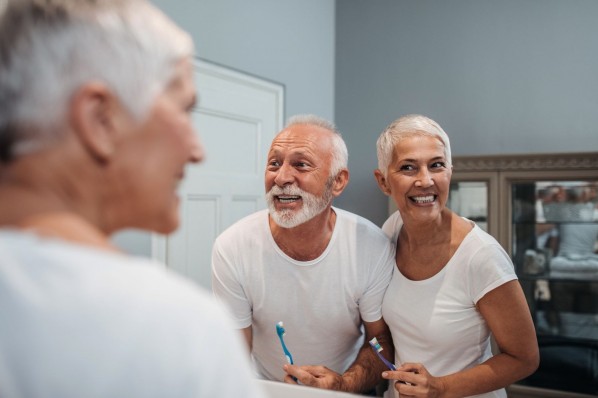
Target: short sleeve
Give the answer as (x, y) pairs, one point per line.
(379, 274)
(490, 267)
(227, 286)
(392, 226)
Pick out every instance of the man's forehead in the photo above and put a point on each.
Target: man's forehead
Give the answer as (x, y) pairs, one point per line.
(301, 146)
(302, 136)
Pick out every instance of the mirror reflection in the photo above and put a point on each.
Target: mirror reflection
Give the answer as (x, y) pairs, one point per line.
(564, 219)
(470, 200)
(555, 246)
(555, 249)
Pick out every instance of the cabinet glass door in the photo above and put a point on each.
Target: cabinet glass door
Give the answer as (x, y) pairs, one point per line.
(470, 199)
(554, 246)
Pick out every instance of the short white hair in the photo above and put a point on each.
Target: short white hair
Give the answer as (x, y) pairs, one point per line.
(408, 126)
(340, 154)
(50, 48)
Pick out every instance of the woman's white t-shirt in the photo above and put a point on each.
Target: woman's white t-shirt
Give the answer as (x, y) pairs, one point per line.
(435, 321)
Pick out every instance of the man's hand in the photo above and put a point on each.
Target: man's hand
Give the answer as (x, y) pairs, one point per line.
(314, 376)
(363, 374)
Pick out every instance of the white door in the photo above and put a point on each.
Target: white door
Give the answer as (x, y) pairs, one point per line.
(237, 117)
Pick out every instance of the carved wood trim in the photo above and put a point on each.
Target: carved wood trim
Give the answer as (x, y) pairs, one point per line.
(549, 161)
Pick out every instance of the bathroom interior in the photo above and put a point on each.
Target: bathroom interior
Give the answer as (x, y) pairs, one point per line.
(512, 82)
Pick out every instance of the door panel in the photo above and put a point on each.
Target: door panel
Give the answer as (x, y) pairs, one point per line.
(237, 118)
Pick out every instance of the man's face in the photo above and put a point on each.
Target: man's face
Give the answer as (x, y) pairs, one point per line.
(298, 182)
(155, 152)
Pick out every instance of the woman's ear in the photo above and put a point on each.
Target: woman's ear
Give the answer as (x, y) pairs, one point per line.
(94, 110)
(382, 183)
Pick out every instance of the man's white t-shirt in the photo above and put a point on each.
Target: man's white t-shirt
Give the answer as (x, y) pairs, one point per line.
(321, 302)
(435, 321)
(80, 322)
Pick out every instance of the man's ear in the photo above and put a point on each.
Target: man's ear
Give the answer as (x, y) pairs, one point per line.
(382, 183)
(340, 182)
(93, 114)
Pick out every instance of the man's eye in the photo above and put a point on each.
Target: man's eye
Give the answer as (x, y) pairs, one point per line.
(438, 165)
(406, 167)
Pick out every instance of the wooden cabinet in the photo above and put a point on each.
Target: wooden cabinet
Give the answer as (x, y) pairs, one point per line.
(543, 209)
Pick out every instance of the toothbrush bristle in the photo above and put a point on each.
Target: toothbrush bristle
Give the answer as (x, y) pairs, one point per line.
(280, 328)
(375, 345)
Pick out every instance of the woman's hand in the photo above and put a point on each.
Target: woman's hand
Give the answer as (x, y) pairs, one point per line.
(414, 380)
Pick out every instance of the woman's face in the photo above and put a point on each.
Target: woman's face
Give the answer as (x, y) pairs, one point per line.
(153, 155)
(418, 178)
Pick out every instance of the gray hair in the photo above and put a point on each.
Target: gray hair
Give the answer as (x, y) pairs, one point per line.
(408, 126)
(340, 155)
(49, 48)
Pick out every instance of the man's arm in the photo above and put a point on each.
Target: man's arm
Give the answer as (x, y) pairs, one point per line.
(362, 375)
(366, 371)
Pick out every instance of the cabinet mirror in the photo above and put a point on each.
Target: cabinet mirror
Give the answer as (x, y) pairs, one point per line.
(543, 209)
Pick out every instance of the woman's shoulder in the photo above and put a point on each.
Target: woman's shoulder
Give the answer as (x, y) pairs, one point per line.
(483, 251)
(392, 225)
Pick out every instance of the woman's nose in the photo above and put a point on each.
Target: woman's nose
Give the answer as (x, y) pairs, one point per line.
(197, 151)
(424, 179)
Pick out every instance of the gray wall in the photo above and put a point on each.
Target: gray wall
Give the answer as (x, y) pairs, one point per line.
(508, 76)
(288, 41)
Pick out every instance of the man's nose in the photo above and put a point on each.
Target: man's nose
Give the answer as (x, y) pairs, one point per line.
(284, 175)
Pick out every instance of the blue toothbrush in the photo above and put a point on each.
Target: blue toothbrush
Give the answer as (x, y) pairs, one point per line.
(378, 350)
(281, 332)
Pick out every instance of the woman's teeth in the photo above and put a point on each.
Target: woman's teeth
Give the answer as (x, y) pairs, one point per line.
(423, 199)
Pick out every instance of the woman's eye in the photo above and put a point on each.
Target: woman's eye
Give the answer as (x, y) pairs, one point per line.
(192, 108)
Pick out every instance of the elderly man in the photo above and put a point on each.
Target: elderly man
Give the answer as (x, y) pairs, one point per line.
(320, 270)
(95, 132)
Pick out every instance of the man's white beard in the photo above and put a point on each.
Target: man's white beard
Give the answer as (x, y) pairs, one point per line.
(312, 205)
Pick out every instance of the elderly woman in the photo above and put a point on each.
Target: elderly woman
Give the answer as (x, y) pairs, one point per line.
(454, 285)
(95, 132)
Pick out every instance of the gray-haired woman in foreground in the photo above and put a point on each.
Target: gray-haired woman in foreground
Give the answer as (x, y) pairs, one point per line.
(95, 133)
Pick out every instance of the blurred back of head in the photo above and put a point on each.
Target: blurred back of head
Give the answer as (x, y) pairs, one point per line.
(50, 48)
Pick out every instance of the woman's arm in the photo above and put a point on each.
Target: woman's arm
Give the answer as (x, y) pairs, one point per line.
(507, 314)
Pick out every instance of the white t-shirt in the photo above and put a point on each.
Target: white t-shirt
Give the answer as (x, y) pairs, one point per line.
(321, 302)
(435, 321)
(80, 322)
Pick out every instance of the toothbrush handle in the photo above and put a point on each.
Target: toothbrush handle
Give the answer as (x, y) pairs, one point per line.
(388, 364)
(287, 353)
